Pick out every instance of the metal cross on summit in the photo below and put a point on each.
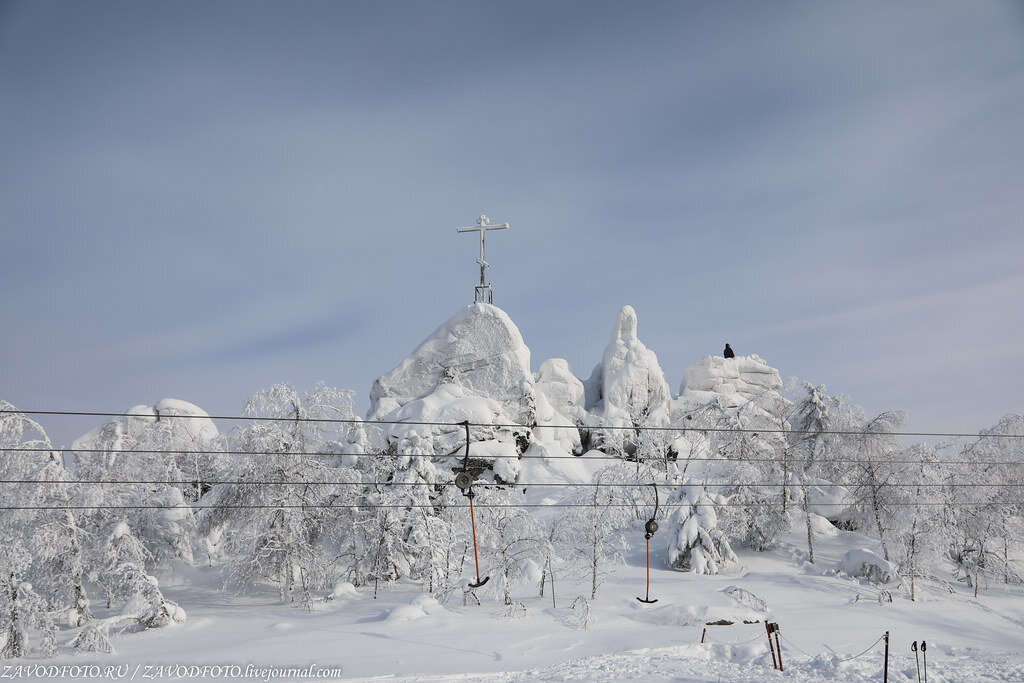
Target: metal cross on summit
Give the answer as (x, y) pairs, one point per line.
(483, 290)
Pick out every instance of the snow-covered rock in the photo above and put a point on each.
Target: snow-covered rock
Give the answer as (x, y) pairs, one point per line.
(563, 390)
(193, 424)
(479, 350)
(862, 563)
(560, 406)
(428, 426)
(628, 388)
(632, 382)
(733, 381)
(343, 590)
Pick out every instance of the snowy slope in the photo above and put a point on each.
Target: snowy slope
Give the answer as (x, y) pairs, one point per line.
(827, 621)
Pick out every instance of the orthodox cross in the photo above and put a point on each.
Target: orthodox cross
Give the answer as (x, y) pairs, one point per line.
(483, 290)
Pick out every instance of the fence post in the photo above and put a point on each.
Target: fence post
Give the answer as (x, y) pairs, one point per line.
(885, 671)
(778, 645)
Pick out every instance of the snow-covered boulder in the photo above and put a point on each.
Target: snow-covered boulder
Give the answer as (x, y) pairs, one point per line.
(733, 381)
(560, 406)
(479, 350)
(427, 426)
(193, 425)
(563, 390)
(864, 564)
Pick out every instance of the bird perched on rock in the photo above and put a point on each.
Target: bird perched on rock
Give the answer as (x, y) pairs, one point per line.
(728, 352)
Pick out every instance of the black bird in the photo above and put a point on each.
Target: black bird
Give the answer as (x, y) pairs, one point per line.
(728, 352)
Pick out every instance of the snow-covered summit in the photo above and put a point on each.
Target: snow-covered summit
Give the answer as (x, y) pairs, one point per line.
(479, 350)
(733, 381)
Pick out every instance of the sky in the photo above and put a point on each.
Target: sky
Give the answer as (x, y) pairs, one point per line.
(199, 200)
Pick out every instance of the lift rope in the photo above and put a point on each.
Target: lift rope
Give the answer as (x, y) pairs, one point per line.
(649, 530)
(464, 480)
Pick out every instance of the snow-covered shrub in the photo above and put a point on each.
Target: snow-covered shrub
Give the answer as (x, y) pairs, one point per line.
(92, 639)
(516, 610)
(144, 601)
(583, 611)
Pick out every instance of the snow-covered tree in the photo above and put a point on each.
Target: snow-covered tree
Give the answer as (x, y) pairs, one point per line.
(281, 520)
(986, 512)
(920, 530)
(405, 527)
(510, 538)
(873, 496)
(602, 513)
(152, 464)
(696, 544)
(45, 495)
(22, 610)
(62, 556)
(816, 442)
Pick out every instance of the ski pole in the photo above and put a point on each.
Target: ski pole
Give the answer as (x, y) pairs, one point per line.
(771, 646)
(917, 658)
(924, 654)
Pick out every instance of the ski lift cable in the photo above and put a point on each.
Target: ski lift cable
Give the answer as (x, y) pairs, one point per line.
(455, 425)
(434, 506)
(15, 450)
(309, 482)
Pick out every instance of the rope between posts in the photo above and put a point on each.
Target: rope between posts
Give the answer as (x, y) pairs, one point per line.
(838, 661)
(870, 647)
(806, 654)
(739, 642)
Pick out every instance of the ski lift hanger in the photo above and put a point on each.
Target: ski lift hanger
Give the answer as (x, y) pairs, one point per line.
(464, 480)
(650, 528)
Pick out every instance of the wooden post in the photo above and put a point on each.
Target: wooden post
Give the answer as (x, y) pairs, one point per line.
(768, 628)
(778, 645)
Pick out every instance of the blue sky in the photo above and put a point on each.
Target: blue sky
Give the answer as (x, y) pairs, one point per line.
(201, 199)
